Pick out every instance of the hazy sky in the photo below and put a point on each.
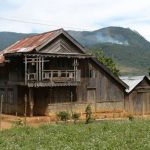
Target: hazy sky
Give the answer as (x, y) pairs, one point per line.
(74, 15)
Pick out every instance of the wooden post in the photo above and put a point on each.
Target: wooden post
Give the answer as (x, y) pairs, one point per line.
(42, 68)
(51, 76)
(95, 102)
(31, 101)
(74, 68)
(1, 111)
(75, 65)
(71, 98)
(37, 68)
(143, 109)
(25, 70)
(25, 109)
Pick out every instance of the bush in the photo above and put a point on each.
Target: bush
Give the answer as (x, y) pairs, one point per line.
(75, 117)
(63, 116)
(88, 112)
(18, 123)
(130, 117)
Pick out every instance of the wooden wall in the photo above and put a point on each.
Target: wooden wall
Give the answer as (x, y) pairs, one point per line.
(9, 99)
(97, 88)
(138, 101)
(100, 89)
(44, 97)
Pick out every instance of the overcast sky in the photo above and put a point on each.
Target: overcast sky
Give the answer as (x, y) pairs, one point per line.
(74, 15)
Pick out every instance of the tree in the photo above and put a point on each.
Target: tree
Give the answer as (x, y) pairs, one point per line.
(108, 62)
(88, 112)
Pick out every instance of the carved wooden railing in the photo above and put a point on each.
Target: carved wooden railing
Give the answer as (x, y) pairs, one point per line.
(32, 76)
(56, 76)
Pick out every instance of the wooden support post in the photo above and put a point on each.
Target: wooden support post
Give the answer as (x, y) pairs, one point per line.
(51, 76)
(31, 101)
(143, 110)
(25, 109)
(95, 102)
(37, 69)
(1, 111)
(71, 98)
(76, 69)
(42, 68)
(75, 66)
(25, 70)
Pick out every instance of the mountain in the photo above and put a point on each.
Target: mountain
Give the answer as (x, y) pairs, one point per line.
(8, 38)
(129, 49)
(113, 35)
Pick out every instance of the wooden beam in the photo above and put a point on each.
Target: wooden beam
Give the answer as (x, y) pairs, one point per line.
(25, 109)
(40, 69)
(143, 87)
(1, 110)
(26, 70)
(37, 70)
(31, 101)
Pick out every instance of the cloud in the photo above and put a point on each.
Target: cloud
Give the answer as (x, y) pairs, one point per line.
(75, 15)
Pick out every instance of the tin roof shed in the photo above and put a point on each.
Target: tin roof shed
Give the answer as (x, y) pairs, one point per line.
(132, 81)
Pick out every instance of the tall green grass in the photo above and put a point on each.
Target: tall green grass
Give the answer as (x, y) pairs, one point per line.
(104, 135)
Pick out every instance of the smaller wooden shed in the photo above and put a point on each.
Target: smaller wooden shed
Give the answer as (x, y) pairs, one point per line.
(137, 98)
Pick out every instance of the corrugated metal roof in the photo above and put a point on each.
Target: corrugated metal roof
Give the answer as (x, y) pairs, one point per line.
(132, 81)
(29, 43)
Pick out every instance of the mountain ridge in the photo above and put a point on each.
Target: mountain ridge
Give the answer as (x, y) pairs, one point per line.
(117, 35)
(129, 49)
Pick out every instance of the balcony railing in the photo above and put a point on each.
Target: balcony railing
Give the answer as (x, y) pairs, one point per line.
(55, 76)
(31, 76)
(58, 75)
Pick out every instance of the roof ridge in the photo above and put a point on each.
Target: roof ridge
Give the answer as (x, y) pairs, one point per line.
(38, 34)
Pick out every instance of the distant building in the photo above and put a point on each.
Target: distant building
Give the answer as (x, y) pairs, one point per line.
(137, 99)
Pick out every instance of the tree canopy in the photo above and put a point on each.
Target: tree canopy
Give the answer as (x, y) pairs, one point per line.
(108, 62)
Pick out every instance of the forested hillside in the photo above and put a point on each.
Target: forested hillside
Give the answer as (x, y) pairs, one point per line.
(129, 50)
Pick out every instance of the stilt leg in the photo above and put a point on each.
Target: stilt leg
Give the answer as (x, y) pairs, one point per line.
(31, 101)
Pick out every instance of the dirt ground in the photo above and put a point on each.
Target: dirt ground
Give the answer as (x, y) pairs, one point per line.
(9, 121)
(6, 125)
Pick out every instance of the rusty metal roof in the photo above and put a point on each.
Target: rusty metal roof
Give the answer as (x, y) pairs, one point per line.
(28, 44)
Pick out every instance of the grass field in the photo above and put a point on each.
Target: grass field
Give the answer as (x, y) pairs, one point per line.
(103, 135)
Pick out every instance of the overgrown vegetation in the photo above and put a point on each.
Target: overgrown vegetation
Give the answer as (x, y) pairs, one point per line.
(131, 117)
(63, 116)
(106, 61)
(104, 135)
(18, 123)
(75, 117)
(127, 56)
(88, 112)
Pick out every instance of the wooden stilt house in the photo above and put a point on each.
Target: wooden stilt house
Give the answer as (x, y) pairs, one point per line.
(56, 74)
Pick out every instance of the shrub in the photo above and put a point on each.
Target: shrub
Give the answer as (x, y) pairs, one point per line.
(130, 117)
(63, 116)
(18, 123)
(75, 117)
(88, 112)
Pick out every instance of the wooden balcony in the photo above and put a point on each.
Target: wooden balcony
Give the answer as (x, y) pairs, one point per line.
(54, 78)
